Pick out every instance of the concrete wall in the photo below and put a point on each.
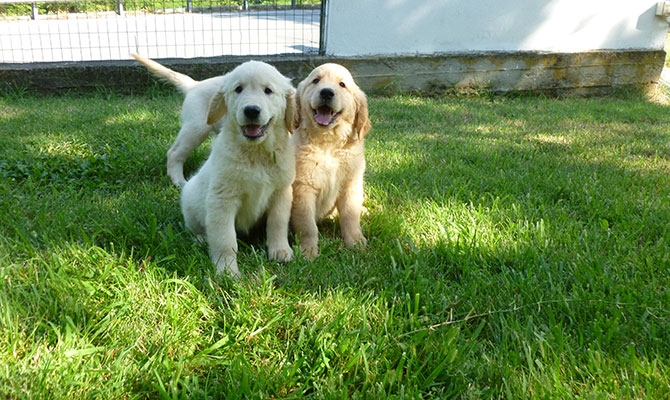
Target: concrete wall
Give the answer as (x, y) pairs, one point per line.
(392, 27)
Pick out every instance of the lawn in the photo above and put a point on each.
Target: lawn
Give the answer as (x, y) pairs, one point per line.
(519, 247)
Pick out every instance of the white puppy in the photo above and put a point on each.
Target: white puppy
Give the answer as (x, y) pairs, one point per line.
(250, 168)
(194, 127)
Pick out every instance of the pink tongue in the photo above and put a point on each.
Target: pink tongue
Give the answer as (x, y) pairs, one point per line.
(323, 115)
(252, 130)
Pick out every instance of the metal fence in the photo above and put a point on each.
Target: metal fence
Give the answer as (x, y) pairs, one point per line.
(83, 30)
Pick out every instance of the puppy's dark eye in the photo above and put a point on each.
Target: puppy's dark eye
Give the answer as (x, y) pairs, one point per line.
(238, 89)
(342, 84)
(268, 90)
(315, 81)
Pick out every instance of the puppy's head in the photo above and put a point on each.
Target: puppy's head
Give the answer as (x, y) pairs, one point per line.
(254, 98)
(329, 97)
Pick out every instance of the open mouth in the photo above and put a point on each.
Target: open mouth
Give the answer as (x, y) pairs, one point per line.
(324, 115)
(253, 131)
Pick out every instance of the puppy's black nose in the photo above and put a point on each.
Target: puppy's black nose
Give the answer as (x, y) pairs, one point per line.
(327, 93)
(252, 112)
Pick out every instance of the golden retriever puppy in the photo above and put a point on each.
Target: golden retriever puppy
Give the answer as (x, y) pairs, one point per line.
(249, 171)
(194, 128)
(330, 162)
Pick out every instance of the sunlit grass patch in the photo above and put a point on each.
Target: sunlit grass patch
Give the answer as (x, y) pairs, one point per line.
(517, 247)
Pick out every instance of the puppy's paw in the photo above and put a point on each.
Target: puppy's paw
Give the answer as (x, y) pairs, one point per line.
(176, 174)
(179, 183)
(356, 240)
(229, 267)
(309, 251)
(280, 254)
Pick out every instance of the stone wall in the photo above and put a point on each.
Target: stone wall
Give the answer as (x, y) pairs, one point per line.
(578, 73)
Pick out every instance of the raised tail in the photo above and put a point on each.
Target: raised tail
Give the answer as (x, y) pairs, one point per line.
(183, 82)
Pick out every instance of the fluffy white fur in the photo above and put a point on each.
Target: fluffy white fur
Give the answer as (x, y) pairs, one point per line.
(194, 127)
(330, 160)
(249, 171)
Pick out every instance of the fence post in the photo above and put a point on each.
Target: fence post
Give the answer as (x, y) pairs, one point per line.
(119, 7)
(322, 27)
(34, 10)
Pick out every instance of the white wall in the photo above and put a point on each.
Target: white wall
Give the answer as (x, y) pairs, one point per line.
(383, 27)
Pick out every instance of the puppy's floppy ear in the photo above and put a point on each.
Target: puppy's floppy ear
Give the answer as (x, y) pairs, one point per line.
(297, 119)
(291, 110)
(361, 121)
(217, 108)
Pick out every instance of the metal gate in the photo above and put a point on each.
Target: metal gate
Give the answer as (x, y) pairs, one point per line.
(83, 30)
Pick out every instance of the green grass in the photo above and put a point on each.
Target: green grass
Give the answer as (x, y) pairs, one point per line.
(518, 248)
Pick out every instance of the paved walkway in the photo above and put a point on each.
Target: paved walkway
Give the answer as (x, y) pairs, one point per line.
(179, 35)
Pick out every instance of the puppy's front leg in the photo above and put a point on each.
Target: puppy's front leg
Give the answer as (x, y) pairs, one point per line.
(221, 236)
(279, 213)
(303, 220)
(350, 206)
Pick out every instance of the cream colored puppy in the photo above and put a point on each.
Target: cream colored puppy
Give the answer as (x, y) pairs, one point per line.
(330, 160)
(249, 171)
(194, 128)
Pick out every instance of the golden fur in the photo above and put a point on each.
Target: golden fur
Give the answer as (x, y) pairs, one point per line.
(330, 161)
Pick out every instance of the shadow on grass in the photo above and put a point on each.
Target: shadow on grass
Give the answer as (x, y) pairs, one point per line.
(520, 159)
(479, 204)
